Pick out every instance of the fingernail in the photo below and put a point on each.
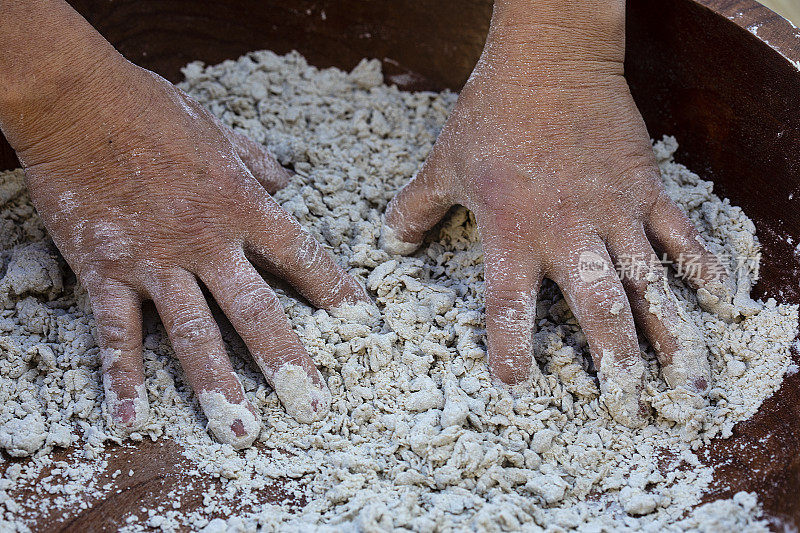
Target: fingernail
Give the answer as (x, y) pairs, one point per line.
(231, 423)
(238, 428)
(390, 242)
(128, 414)
(304, 398)
(701, 385)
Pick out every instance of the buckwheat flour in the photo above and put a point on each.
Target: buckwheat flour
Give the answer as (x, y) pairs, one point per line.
(418, 436)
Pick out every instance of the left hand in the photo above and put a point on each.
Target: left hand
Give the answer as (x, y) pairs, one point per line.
(547, 148)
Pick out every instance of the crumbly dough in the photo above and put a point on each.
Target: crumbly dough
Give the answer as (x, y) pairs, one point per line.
(418, 436)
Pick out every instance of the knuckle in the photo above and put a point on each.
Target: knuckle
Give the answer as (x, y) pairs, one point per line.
(602, 299)
(308, 250)
(498, 189)
(281, 353)
(508, 305)
(504, 221)
(499, 210)
(112, 243)
(191, 328)
(638, 271)
(634, 157)
(115, 334)
(300, 251)
(114, 363)
(258, 303)
(501, 298)
(661, 205)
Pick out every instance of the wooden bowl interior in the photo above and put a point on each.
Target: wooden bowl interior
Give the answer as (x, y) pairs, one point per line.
(732, 101)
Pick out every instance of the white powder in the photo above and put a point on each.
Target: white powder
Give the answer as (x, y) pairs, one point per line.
(418, 435)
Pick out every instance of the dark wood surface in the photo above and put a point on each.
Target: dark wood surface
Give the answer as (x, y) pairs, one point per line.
(696, 72)
(152, 474)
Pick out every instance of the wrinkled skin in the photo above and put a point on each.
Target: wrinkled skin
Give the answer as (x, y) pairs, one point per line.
(547, 148)
(144, 192)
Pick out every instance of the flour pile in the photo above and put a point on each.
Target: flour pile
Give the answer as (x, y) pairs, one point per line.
(418, 436)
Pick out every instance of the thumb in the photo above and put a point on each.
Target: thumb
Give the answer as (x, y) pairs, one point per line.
(417, 207)
(269, 173)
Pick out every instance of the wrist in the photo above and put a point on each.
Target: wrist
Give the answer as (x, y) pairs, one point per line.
(66, 105)
(540, 35)
(53, 63)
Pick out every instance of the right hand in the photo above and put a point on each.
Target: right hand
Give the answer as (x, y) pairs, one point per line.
(145, 192)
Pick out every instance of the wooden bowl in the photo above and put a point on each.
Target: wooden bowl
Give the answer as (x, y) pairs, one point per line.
(723, 76)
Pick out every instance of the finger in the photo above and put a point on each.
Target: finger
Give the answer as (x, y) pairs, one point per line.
(276, 241)
(118, 316)
(596, 296)
(256, 313)
(258, 160)
(680, 347)
(198, 345)
(418, 206)
(672, 232)
(512, 281)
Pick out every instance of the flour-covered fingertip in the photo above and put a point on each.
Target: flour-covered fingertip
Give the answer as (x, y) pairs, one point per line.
(304, 398)
(127, 414)
(621, 386)
(393, 244)
(231, 423)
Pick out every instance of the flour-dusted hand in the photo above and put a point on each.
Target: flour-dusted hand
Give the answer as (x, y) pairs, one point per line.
(547, 148)
(146, 195)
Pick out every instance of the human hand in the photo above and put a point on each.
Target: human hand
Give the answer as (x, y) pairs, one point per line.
(144, 192)
(547, 148)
